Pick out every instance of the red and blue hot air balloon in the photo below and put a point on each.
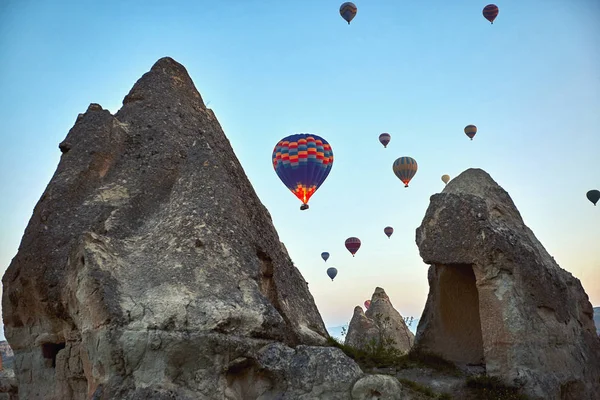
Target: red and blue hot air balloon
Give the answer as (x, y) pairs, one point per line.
(302, 162)
(384, 139)
(348, 11)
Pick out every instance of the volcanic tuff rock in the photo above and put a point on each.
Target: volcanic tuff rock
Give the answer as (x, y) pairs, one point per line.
(381, 320)
(498, 298)
(150, 269)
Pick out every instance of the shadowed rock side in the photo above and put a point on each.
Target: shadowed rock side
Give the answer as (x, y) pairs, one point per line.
(150, 269)
(498, 298)
(381, 320)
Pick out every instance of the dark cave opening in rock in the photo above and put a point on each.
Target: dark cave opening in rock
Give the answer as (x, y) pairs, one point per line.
(459, 314)
(50, 350)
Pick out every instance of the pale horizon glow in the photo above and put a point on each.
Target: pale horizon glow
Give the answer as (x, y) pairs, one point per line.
(530, 83)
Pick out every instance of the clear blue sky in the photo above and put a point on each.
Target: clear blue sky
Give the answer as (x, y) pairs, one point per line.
(270, 68)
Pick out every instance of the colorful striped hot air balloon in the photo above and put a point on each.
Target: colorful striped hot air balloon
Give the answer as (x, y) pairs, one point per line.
(470, 130)
(348, 11)
(367, 304)
(490, 12)
(325, 256)
(446, 179)
(388, 230)
(353, 244)
(405, 169)
(385, 138)
(302, 162)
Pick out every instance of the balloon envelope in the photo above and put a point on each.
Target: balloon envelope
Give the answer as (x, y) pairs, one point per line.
(446, 178)
(470, 131)
(332, 272)
(405, 169)
(348, 11)
(490, 12)
(325, 255)
(302, 162)
(385, 138)
(593, 196)
(388, 230)
(352, 244)
(367, 304)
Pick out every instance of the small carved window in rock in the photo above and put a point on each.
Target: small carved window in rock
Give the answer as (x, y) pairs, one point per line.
(50, 350)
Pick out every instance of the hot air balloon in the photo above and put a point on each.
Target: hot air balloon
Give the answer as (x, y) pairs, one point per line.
(470, 130)
(332, 272)
(385, 138)
(593, 196)
(446, 179)
(367, 304)
(348, 11)
(302, 162)
(388, 230)
(490, 12)
(405, 169)
(325, 256)
(353, 244)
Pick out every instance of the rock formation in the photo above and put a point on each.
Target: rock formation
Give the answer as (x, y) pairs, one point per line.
(381, 320)
(597, 319)
(497, 297)
(151, 270)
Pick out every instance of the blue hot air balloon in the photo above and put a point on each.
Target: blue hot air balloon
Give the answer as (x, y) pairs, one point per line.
(332, 272)
(302, 162)
(325, 255)
(348, 11)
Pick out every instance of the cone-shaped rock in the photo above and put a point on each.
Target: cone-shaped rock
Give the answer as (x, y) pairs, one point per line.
(149, 263)
(497, 297)
(381, 320)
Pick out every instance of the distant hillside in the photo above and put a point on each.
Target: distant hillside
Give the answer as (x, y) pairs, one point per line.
(597, 319)
(336, 331)
(7, 354)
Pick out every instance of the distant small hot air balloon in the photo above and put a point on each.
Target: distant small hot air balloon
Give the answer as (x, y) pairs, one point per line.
(490, 12)
(332, 272)
(348, 11)
(593, 196)
(367, 304)
(325, 255)
(353, 244)
(446, 179)
(388, 230)
(470, 130)
(385, 138)
(302, 162)
(405, 169)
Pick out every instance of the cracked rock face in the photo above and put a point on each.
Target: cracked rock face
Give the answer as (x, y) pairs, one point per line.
(381, 321)
(498, 299)
(149, 264)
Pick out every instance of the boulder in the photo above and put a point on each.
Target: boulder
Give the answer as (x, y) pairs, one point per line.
(381, 321)
(380, 387)
(497, 298)
(149, 265)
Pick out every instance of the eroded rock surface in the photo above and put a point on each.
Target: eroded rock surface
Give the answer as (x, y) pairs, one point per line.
(497, 298)
(149, 264)
(380, 322)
